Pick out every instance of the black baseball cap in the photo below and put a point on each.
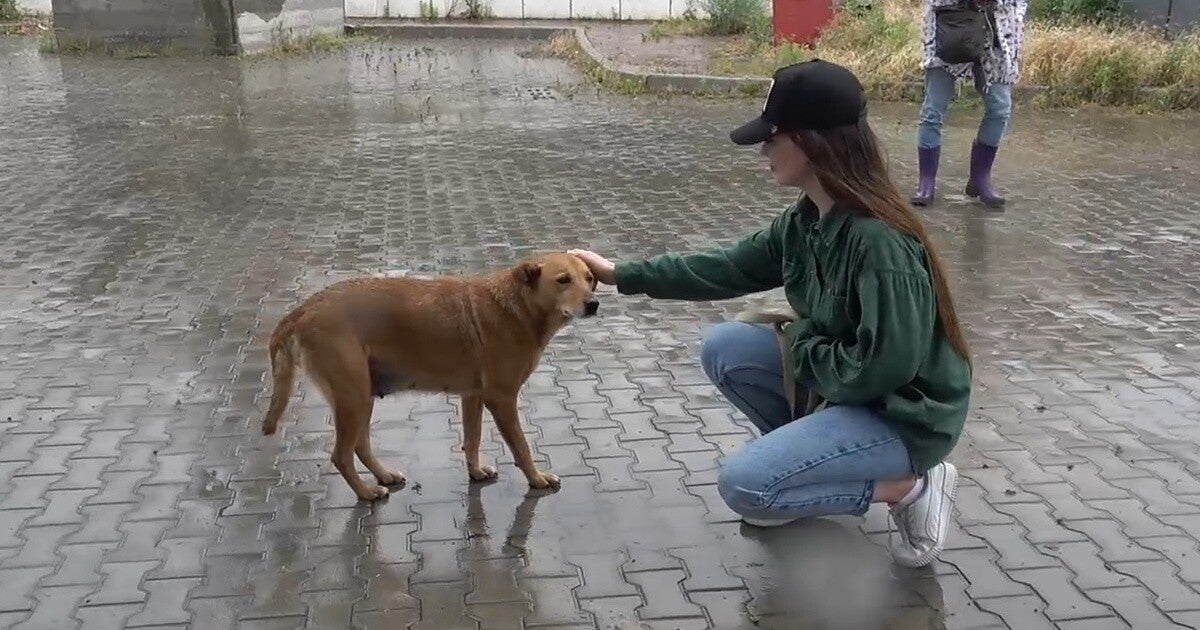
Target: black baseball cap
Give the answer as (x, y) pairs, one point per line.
(808, 95)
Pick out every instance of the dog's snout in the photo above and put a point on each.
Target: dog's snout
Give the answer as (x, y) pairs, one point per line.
(590, 307)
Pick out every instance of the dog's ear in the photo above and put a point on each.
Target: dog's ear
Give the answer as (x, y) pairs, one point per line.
(527, 273)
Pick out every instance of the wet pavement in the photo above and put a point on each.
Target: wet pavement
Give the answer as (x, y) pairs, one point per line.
(161, 215)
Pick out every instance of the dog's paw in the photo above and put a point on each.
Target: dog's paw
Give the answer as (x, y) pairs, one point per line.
(484, 473)
(544, 480)
(373, 493)
(390, 478)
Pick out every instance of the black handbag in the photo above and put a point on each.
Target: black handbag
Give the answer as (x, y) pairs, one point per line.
(964, 32)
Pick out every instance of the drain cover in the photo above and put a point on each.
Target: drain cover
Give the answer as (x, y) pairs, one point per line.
(541, 93)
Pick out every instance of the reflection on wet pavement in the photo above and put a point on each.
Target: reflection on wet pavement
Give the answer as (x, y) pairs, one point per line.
(162, 214)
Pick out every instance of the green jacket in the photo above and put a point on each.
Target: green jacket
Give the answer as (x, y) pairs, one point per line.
(868, 333)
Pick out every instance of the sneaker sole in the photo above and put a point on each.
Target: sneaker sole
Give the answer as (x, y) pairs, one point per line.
(952, 479)
(768, 522)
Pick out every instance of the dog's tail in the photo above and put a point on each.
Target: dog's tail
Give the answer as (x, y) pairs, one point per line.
(284, 351)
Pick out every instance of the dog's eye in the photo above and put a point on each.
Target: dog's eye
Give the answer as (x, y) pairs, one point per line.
(564, 279)
(590, 279)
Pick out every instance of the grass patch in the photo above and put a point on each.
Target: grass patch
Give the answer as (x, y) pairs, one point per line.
(25, 24)
(472, 10)
(1078, 61)
(9, 11)
(285, 44)
(290, 43)
(733, 17)
(464, 9)
(687, 26)
(1079, 11)
(1130, 66)
(724, 17)
(881, 45)
(313, 43)
(565, 46)
(48, 43)
(752, 90)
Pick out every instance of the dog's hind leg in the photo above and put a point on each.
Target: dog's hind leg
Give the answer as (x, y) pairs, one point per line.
(383, 474)
(340, 368)
(351, 420)
(472, 436)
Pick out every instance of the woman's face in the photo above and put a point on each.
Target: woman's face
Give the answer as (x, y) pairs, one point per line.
(787, 162)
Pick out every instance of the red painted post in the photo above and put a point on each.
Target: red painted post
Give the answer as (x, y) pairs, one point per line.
(800, 21)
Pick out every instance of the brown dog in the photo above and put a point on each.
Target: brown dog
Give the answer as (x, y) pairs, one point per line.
(479, 337)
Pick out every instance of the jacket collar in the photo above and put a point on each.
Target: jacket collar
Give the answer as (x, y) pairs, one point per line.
(826, 227)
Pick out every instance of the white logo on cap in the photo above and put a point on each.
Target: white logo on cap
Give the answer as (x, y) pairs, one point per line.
(769, 89)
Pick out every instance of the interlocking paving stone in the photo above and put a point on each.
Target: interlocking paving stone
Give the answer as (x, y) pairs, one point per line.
(1063, 599)
(1095, 623)
(1089, 569)
(80, 564)
(664, 595)
(1021, 611)
(106, 616)
(614, 612)
(1171, 594)
(1114, 546)
(1134, 605)
(19, 585)
(122, 583)
(165, 602)
(960, 610)
(166, 213)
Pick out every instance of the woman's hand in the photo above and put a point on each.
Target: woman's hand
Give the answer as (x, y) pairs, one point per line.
(601, 267)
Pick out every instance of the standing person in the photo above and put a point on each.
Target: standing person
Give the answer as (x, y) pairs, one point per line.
(880, 342)
(994, 77)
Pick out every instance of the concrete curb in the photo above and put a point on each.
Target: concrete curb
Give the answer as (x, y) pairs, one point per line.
(666, 82)
(650, 81)
(642, 79)
(446, 30)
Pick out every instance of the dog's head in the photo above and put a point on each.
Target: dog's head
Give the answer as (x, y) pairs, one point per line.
(560, 283)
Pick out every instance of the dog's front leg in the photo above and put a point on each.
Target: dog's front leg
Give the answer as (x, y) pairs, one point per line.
(472, 435)
(504, 411)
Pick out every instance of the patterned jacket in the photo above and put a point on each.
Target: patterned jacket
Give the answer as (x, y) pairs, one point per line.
(1003, 64)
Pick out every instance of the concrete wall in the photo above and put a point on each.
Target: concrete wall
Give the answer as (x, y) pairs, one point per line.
(529, 9)
(197, 25)
(35, 6)
(202, 25)
(262, 23)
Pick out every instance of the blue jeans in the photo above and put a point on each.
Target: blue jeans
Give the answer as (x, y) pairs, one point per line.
(939, 90)
(823, 464)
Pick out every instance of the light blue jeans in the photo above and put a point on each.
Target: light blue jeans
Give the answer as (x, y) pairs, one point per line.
(819, 465)
(939, 91)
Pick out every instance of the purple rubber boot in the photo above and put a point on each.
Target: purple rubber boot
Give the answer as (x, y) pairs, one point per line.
(927, 160)
(980, 183)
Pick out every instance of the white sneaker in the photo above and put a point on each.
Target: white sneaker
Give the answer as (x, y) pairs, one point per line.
(924, 524)
(766, 522)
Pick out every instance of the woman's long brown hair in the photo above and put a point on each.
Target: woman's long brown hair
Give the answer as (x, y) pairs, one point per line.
(849, 164)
